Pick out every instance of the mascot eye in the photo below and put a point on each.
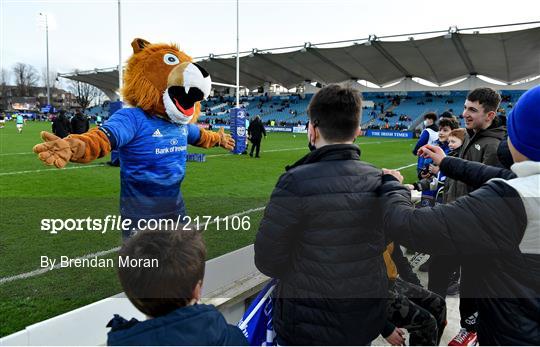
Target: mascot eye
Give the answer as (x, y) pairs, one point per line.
(171, 59)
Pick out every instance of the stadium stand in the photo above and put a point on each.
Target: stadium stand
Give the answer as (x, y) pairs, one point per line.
(395, 111)
(98, 110)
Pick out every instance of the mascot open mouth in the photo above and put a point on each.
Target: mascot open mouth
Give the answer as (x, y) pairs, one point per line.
(184, 98)
(188, 84)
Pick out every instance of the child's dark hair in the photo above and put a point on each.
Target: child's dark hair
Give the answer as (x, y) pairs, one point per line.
(459, 133)
(487, 97)
(452, 123)
(160, 290)
(335, 110)
(431, 115)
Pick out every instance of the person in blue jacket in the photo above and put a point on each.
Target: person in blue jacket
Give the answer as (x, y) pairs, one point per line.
(166, 286)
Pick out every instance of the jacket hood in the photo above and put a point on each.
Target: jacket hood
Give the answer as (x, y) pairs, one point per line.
(190, 325)
(494, 130)
(497, 132)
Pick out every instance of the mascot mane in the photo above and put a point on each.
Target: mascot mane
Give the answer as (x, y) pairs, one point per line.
(147, 76)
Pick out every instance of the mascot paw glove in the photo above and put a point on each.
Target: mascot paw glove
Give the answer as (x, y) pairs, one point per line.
(225, 140)
(57, 151)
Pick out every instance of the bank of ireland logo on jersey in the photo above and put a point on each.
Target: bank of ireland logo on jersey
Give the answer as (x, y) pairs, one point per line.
(174, 142)
(157, 133)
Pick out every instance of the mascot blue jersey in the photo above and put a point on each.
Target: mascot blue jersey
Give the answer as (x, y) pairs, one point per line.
(152, 162)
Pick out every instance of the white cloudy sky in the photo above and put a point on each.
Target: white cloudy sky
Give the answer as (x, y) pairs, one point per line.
(83, 33)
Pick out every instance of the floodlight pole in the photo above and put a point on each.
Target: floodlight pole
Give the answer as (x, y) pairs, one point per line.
(120, 69)
(47, 47)
(237, 55)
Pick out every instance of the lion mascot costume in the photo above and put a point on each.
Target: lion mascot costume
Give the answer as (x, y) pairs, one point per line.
(165, 88)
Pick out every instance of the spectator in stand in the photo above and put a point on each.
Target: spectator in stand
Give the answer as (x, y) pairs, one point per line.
(429, 136)
(256, 131)
(79, 123)
(321, 234)
(61, 126)
(433, 180)
(168, 294)
(455, 141)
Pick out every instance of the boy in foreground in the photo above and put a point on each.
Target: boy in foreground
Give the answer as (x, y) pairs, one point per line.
(168, 295)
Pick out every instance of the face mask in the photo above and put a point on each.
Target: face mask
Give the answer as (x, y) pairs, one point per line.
(426, 123)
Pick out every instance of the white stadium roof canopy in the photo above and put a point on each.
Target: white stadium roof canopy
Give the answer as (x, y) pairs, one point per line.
(508, 57)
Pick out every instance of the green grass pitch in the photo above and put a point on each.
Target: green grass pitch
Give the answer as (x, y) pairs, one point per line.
(29, 191)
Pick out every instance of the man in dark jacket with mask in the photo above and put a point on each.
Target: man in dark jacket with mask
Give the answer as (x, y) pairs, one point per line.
(321, 234)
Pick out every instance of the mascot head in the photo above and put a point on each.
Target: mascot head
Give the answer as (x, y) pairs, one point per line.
(163, 80)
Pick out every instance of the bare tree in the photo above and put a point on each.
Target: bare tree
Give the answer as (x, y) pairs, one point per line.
(84, 93)
(26, 76)
(4, 81)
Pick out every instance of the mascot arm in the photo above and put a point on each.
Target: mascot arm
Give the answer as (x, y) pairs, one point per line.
(76, 148)
(97, 145)
(209, 139)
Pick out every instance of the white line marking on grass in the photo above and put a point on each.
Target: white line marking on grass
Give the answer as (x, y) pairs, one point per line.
(57, 266)
(406, 166)
(115, 249)
(270, 150)
(104, 253)
(21, 153)
(300, 148)
(208, 156)
(55, 169)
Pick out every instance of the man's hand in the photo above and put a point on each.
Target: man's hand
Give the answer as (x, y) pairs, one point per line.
(434, 169)
(225, 140)
(394, 173)
(434, 152)
(57, 151)
(426, 174)
(396, 338)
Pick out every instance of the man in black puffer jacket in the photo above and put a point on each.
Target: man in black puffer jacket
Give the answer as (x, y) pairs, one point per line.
(321, 235)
